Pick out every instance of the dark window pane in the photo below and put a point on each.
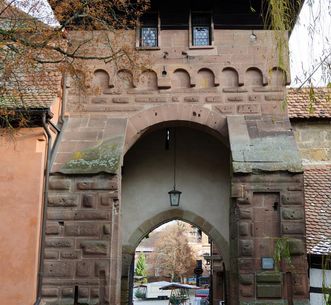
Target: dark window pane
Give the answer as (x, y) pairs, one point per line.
(149, 37)
(201, 36)
(149, 20)
(201, 19)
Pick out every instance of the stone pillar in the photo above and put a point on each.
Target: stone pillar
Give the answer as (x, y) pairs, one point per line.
(127, 259)
(81, 221)
(116, 255)
(268, 208)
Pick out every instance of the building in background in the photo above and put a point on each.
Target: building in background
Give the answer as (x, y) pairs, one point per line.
(310, 115)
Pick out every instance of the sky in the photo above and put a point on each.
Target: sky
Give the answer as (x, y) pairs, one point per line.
(310, 41)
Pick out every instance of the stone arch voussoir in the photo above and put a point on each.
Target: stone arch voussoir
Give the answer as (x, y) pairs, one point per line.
(178, 214)
(212, 120)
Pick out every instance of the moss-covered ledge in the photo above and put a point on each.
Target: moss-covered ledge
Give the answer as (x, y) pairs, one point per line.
(104, 157)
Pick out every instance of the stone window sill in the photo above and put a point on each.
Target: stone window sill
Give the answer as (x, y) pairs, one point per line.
(148, 48)
(201, 47)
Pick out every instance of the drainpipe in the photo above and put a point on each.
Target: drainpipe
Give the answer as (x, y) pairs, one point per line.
(64, 100)
(50, 152)
(45, 121)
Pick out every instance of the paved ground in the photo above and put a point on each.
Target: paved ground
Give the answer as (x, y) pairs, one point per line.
(150, 302)
(160, 302)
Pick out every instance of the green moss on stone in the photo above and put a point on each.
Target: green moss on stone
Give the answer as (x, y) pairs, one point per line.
(102, 158)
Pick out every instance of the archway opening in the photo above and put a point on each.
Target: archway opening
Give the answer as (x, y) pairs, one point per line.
(177, 252)
(202, 174)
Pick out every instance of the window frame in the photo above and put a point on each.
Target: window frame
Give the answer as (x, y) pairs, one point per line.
(139, 38)
(211, 30)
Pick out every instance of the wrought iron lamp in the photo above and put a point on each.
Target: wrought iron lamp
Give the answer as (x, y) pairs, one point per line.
(174, 195)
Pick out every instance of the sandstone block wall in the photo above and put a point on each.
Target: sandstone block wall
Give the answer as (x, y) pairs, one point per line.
(234, 76)
(313, 140)
(267, 208)
(81, 215)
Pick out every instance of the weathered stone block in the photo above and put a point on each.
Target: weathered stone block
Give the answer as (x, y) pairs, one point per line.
(59, 184)
(235, 98)
(292, 213)
(245, 213)
(191, 99)
(49, 292)
(77, 215)
(247, 291)
(246, 247)
(214, 99)
(297, 246)
(97, 185)
(246, 279)
(94, 292)
(245, 229)
(94, 247)
(51, 254)
(247, 199)
(68, 292)
(293, 198)
(105, 199)
(59, 269)
(274, 97)
(161, 99)
(293, 228)
(88, 201)
(82, 229)
(246, 264)
(300, 284)
(98, 100)
(141, 100)
(254, 98)
(84, 268)
(248, 108)
(83, 292)
(106, 229)
(58, 243)
(121, 100)
(226, 108)
(234, 89)
(268, 291)
(52, 229)
(57, 200)
(269, 277)
(57, 214)
(101, 266)
(70, 254)
(91, 215)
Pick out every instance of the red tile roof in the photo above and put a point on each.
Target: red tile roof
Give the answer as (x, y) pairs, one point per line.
(318, 209)
(39, 90)
(307, 103)
(26, 86)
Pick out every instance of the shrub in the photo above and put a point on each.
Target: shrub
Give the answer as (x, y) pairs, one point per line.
(140, 294)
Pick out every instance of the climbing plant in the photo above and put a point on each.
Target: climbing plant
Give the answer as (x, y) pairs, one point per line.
(282, 252)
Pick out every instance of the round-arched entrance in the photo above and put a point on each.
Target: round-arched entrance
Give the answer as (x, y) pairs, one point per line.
(202, 175)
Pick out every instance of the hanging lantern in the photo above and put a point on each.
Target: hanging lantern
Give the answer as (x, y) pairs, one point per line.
(174, 197)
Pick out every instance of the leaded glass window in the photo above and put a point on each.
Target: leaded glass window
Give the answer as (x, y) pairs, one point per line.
(149, 37)
(201, 27)
(201, 36)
